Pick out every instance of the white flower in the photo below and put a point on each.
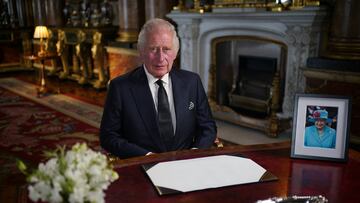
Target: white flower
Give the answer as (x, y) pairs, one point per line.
(77, 175)
(55, 195)
(96, 196)
(34, 195)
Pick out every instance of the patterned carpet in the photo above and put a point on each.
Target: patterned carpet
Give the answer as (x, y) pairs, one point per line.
(30, 125)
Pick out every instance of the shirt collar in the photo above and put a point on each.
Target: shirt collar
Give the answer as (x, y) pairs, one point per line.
(153, 79)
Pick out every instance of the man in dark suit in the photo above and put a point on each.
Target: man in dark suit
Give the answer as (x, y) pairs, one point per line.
(145, 115)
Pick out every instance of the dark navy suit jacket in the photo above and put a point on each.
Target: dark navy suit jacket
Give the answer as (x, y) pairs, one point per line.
(129, 124)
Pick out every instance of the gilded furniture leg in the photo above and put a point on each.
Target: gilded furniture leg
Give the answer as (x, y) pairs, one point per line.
(274, 124)
(50, 46)
(89, 64)
(97, 51)
(83, 64)
(76, 64)
(63, 52)
(53, 63)
(80, 51)
(65, 65)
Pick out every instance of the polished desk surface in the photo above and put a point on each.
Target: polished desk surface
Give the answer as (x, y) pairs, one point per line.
(338, 182)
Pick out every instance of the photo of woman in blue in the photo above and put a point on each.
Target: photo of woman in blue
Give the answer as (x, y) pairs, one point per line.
(320, 128)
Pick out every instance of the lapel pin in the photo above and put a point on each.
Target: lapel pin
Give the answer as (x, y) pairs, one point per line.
(191, 105)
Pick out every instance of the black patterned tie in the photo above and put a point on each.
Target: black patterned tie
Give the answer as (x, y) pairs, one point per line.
(164, 116)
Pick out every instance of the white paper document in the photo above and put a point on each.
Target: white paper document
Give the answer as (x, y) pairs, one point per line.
(203, 173)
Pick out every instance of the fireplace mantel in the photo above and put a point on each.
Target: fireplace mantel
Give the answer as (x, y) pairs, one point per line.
(299, 30)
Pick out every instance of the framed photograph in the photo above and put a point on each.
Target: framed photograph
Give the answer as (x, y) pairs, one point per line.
(321, 127)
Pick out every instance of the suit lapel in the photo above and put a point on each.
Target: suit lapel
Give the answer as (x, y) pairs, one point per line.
(143, 99)
(180, 99)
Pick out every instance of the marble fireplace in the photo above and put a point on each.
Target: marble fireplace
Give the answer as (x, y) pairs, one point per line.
(214, 40)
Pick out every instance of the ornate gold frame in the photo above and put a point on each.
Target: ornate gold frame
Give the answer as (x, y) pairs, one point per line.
(271, 5)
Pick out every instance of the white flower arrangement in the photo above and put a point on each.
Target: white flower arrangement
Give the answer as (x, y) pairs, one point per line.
(77, 175)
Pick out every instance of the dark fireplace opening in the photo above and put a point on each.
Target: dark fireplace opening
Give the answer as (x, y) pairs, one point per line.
(249, 75)
(252, 89)
(255, 76)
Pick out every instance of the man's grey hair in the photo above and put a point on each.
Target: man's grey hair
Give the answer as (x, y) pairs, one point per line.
(152, 24)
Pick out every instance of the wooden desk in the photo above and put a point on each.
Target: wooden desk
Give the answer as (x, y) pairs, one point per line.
(338, 182)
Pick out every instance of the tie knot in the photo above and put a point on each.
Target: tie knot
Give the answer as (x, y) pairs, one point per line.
(159, 82)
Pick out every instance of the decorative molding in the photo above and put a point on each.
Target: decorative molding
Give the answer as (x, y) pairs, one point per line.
(299, 30)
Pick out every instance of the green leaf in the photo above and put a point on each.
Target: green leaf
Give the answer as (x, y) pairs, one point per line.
(21, 166)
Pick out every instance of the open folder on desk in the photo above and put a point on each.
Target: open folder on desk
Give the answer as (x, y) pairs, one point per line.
(204, 173)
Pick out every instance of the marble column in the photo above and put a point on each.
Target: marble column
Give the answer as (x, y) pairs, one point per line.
(54, 14)
(25, 13)
(157, 8)
(344, 38)
(39, 12)
(131, 18)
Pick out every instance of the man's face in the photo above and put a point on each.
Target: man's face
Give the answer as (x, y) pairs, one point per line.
(159, 52)
(320, 123)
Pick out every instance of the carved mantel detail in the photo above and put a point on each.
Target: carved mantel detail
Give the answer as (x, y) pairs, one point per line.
(188, 33)
(299, 30)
